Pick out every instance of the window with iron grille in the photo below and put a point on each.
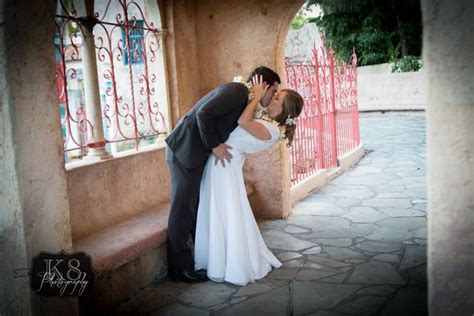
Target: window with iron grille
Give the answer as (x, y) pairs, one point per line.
(135, 40)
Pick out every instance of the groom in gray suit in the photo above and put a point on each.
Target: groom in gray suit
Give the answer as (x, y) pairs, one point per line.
(202, 131)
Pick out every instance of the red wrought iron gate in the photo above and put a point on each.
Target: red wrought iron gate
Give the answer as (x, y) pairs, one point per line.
(329, 124)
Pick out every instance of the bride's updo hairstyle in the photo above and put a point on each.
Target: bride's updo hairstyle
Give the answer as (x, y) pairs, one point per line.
(292, 106)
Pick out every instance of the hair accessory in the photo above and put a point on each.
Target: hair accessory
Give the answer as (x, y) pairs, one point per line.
(290, 121)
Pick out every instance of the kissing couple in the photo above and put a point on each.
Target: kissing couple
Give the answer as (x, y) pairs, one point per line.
(209, 204)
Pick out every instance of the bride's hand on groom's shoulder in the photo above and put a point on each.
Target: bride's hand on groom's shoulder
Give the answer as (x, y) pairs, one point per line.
(259, 87)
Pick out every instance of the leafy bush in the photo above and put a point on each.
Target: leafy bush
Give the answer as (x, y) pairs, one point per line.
(407, 63)
(380, 31)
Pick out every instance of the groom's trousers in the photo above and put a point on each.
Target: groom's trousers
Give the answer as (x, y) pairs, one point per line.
(185, 185)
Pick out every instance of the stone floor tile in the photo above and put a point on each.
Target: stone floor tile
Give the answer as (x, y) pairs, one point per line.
(420, 207)
(389, 195)
(322, 226)
(421, 241)
(364, 305)
(420, 233)
(414, 255)
(337, 278)
(297, 263)
(309, 296)
(386, 258)
(279, 240)
(400, 202)
(206, 294)
(363, 170)
(361, 214)
(327, 262)
(318, 208)
(288, 255)
(295, 229)
(360, 194)
(335, 242)
(401, 212)
(237, 300)
(274, 302)
(359, 229)
(312, 274)
(319, 197)
(375, 272)
(153, 297)
(347, 202)
(253, 288)
(388, 188)
(283, 274)
(311, 251)
(389, 234)
(409, 223)
(375, 246)
(339, 253)
(377, 290)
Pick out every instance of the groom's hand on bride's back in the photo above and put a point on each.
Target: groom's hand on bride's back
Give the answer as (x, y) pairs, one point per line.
(222, 153)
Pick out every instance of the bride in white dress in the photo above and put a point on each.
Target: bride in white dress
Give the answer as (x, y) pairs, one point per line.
(228, 242)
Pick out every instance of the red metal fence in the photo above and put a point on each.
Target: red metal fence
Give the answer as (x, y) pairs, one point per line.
(127, 46)
(329, 124)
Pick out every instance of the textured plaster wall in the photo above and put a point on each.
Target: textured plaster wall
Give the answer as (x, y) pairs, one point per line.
(181, 55)
(34, 205)
(113, 190)
(448, 47)
(15, 293)
(233, 38)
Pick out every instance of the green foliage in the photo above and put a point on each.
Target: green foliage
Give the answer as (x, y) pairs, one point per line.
(299, 21)
(407, 63)
(379, 31)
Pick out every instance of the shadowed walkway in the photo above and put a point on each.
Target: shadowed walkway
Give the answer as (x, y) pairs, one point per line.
(355, 247)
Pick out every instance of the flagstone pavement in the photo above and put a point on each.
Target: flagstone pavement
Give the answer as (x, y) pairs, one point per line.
(355, 247)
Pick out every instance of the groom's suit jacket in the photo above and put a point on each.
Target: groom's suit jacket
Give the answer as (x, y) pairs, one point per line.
(207, 124)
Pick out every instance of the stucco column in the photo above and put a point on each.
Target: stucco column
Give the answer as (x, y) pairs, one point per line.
(91, 87)
(34, 208)
(448, 46)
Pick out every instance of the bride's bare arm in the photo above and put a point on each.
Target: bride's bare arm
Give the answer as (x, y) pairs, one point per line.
(246, 120)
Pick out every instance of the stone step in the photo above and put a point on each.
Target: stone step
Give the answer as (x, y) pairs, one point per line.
(126, 257)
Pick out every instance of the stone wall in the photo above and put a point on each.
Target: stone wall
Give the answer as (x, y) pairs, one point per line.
(110, 191)
(391, 92)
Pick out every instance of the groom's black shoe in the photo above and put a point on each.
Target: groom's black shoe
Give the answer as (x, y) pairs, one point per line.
(188, 276)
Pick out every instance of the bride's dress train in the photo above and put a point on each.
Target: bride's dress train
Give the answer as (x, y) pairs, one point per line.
(228, 242)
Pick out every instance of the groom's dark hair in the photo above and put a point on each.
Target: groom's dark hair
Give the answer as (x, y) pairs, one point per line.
(269, 76)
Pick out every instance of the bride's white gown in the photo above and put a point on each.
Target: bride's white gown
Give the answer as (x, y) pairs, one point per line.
(228, 242)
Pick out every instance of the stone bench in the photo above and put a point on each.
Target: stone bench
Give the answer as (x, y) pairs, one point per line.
(125, 257)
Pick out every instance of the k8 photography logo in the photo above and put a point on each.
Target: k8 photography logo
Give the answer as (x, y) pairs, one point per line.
(61, 274)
